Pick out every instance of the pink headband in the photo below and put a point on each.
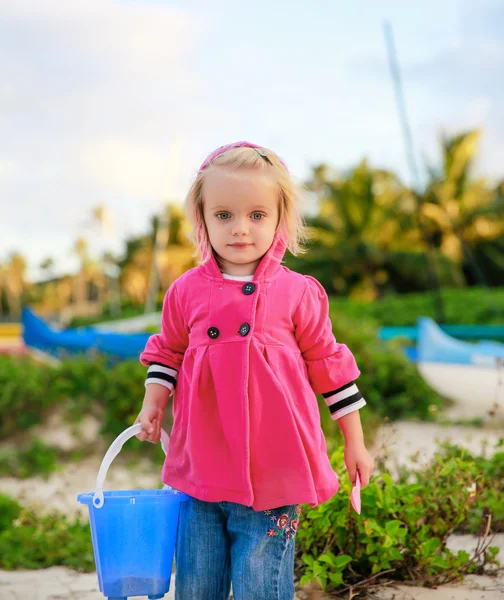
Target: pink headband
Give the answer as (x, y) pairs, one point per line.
(243, 144)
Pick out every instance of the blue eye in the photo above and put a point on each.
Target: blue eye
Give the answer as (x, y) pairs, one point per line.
(223, 216)
(257, 215)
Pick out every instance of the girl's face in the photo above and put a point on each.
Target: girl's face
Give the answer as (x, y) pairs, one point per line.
(240, 208)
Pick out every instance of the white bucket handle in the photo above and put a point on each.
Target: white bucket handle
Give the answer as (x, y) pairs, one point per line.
(113, 451)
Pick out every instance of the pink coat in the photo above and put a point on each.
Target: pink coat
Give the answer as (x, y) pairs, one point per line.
(246, 361)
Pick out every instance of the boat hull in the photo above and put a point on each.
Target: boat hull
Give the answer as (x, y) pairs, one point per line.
(475, 390)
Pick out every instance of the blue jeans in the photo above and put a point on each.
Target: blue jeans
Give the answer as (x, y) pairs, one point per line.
(220, 543)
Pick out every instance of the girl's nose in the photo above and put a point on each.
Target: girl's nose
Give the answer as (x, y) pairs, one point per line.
(240, 227)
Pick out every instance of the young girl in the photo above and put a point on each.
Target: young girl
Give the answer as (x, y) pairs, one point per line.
(244, 347)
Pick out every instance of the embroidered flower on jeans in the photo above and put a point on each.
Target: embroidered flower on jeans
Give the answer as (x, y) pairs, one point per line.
(298, 510)
(267, 512)
(288, 534)
(294, 525)
(273, 518)
(272, 533)
(282, 521)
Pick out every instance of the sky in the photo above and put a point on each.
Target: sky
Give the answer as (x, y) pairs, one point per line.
(116, 103)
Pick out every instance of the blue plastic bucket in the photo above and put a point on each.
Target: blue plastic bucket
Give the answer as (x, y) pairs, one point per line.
(134, 534)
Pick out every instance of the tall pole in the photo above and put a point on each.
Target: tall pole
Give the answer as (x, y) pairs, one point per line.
(160, 243)
(395, 73)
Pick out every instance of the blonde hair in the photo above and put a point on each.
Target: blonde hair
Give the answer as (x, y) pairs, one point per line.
(290, 220)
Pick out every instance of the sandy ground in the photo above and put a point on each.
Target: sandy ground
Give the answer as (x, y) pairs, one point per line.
(398, 442)
(414, 443)
(63, 584)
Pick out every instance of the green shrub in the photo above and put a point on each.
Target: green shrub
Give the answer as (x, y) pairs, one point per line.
(487, 476)
(81, 386)
(478, 306)
(121, 396)
(9, 511)
(78, 386)
(36, 459)
(26, 393)
(402, 531)
(29, 541)
(80, 381)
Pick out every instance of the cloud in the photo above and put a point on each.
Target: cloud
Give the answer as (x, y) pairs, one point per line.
(92, 95)
(127, 168)
(453, 87)
(483, 20)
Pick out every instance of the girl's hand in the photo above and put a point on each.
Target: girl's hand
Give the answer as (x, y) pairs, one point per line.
(151, 418)
(152, 413)
(357, 458)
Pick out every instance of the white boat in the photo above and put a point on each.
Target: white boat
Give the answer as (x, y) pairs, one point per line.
(472, 375)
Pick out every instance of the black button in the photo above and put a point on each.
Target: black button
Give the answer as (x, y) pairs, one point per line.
(248, 288)
(244, 329)
(213, 332)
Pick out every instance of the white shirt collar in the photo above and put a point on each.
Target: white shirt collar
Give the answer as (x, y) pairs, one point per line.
(238, 277)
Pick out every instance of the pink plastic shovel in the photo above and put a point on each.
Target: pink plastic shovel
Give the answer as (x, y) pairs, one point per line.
(355, 499)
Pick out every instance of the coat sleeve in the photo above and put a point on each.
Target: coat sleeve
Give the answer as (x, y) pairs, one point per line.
(164, 352)
(332, 369)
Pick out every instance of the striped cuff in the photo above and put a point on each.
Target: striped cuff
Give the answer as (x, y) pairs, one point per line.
(162, 375)
(344, 400)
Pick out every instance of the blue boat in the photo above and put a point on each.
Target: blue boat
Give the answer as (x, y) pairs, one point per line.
(471, 374)
(71, 342)
(434, 345)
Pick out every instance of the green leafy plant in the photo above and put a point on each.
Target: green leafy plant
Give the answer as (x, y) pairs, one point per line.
(26, 393)
(80, 385)
(30, 541)
(474, 306)
(36, 459)
(487, 485)
(401, 534)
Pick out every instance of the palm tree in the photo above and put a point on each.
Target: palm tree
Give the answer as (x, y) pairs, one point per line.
(178, 256)
(111, 271)
(3, 279)
(135, 269)
(162, 231)
(47, 265)
(15, 282)
(364, 217)
(81, 279)
(161, 238)
(461, 212)
(175, 256)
